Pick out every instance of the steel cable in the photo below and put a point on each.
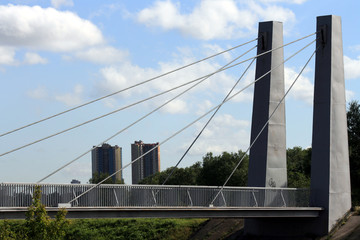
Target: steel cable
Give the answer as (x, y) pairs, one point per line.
(190, 124)
(267, 122)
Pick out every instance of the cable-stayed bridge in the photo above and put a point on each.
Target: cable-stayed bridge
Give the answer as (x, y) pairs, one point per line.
(267, 197)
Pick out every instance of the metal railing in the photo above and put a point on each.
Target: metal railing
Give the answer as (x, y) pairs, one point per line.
(113, 195)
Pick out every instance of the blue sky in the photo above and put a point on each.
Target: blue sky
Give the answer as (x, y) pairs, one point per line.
(57, 54)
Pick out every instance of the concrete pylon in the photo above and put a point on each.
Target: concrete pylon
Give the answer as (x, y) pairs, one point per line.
(267, 164)
(330, 174)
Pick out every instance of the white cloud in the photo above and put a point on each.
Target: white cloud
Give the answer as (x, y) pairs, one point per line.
(213, 19)
(72, 99)
(214, 89)
(126, 74)
(224, 133)
(46, 29)
(352, 67)
(34, 58)
(60, 3)
(350, 95)
(102, 55)
(303, 89)
(175, 107)
(211, 49)
(272, 13)
(7, 56)
(284, 1)
(38, 93)
(204, 107)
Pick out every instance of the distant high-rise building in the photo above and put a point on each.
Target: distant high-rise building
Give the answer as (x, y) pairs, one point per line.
(107, 159)
(146, 165)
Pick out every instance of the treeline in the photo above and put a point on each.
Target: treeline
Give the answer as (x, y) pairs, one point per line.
(214, 170)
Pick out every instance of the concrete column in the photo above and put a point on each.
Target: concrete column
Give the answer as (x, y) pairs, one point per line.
(330, 174)
(267, 166)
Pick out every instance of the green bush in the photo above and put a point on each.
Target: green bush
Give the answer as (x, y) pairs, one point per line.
(132, 228)
(37, 225)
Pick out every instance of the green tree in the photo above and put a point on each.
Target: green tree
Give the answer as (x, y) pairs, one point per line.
(180, 176)
(353, 121)
(298, 167)
(6, 233)
(98, 177)
(38, 223)
(216, 169)
(213, 171)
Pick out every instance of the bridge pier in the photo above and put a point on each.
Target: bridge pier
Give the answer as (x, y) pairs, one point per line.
(267, 163)
(330, 173)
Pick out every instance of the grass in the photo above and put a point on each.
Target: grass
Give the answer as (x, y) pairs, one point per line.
(125, 228)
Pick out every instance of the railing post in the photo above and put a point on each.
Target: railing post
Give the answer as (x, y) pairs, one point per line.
(256, 202)
(188, 193)
(282, 197)
(154, 198)
(116, 198)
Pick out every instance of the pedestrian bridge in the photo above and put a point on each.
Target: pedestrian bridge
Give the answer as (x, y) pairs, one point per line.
(113, 200)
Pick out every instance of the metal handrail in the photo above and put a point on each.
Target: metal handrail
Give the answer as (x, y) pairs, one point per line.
(119, 195)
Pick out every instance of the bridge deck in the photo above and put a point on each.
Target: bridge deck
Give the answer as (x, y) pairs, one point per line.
(173, 212)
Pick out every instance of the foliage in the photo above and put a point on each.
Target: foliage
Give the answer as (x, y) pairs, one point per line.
(298, 167)
(6, 233)
(98, 177)
(213, 171)
(132, 228)
(38, 223)
(180, 176)
(116, 229)
(353, 121)
(217, 169)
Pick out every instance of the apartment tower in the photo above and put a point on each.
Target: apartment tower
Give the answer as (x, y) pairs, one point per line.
(107, 159)
(146, 165)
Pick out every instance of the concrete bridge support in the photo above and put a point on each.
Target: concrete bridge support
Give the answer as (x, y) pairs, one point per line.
(267, 165)
(330, 173)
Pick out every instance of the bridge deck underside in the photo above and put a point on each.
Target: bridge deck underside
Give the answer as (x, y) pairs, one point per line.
(175, 212)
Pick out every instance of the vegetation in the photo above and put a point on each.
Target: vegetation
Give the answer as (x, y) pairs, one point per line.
(213, 171)
(37, 224)
(353, 120)
(133, 228)
(110, 229)
(98, 177)
(298, 167)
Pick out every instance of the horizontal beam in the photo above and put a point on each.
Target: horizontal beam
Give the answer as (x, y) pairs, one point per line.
(177, 212)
